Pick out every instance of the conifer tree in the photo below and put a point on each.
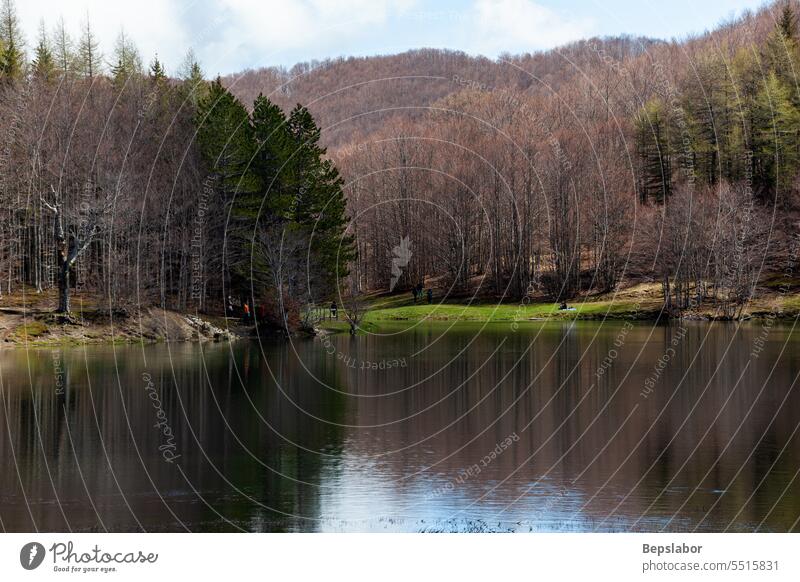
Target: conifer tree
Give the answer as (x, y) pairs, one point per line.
(787, 24)
(319, 206)
(193, 85)
(127, 61)
(781, 49)
(655, 152)
(272, 163)
(44, 66)
(12, 56)
(225, 139)
(776, 138)
(157, 73)
(63, 49)
(89, 55)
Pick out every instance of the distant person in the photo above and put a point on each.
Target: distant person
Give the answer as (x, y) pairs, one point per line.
(430, 295)
(563, 306)
(414, 292)
(246, 308)
(230, 306)
(334, 311)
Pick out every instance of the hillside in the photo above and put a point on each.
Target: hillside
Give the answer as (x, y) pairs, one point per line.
(552, 173)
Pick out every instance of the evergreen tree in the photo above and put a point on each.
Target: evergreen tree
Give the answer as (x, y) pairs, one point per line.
(89, 57)
(44, 66)
(787, 24)
(273, 161)
(12, 56)
(711, 103)
(225, 139)
(655, 152)
(127, 62)
(319, 205)
(193, 85)
(157, 73)
(63, 52)
(776, 139)
(780, 51)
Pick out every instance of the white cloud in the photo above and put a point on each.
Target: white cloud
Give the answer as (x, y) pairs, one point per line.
(522, 26)
(230, 35)
(275, 26)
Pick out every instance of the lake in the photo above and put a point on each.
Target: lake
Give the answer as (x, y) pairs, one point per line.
(549, 426)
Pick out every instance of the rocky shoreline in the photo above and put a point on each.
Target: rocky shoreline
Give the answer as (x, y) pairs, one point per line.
(25, 327)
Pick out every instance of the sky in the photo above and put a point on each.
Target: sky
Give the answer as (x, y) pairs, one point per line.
(232, 35)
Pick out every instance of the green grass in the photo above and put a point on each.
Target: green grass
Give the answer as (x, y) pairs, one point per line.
(30, 331)
(506, 312)
(397, 308)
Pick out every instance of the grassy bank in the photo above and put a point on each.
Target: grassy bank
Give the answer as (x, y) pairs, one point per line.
(496, 313)
(641, 302)
(506, 312)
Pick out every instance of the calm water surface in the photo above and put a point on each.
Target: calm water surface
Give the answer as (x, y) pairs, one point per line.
(552, 427)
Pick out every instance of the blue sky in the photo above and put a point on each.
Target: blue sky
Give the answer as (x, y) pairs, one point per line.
(231, 35)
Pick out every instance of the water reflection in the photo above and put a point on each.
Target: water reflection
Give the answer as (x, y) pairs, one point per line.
(424, 428)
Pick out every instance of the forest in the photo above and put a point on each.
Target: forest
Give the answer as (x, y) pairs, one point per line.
(554, 175)
(572, 172)
(141, 188)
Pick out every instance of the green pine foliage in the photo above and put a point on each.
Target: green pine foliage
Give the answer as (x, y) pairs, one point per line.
(157, 73)
(127, 62)
(654, 148)
(736, 119)
(277, 183)
(193, 86)
(319, 205)
(44, 65)
(12, 56)
(225, 138)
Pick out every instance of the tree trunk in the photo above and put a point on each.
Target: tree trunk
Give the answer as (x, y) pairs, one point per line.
(63, 287)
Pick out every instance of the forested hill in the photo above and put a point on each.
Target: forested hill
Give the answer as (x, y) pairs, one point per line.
(354, 96)
(571, 171)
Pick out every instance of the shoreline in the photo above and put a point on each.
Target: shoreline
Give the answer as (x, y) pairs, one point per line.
(37, 326)
(43, 328)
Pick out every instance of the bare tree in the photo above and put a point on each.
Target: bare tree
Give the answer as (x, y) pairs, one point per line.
(73, 235)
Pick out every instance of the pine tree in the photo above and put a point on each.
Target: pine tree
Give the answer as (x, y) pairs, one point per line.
(781, 49)
(12, 57)
(225, 139)
(776, 139)
(319, 206)
(127, 62)
(63, 48)
(787, 24)
(157, 73)
(655, 152)
(44, 66)
(273, 162)
(712, 106)
(193, 85)
(89, 57)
